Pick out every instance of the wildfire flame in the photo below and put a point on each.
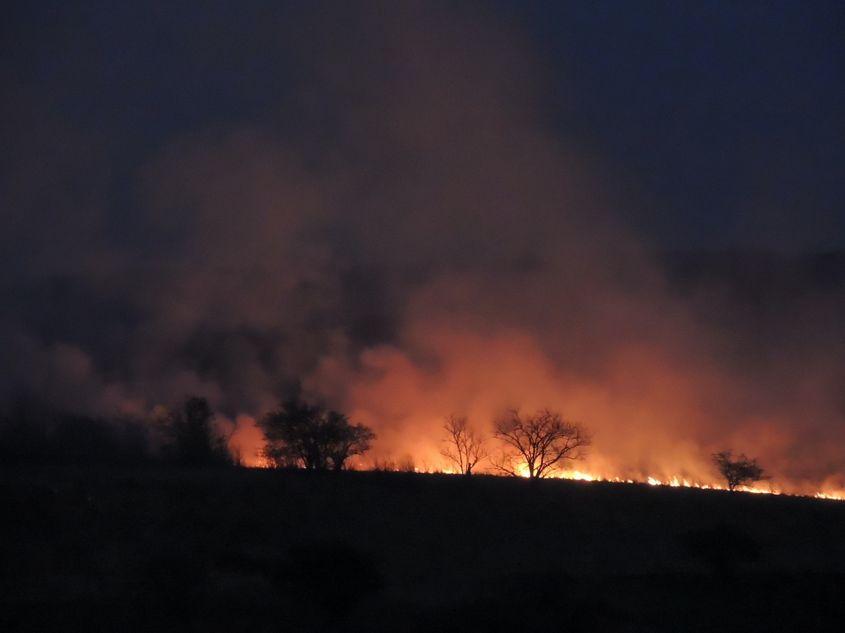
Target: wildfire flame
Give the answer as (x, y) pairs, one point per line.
(672, 482)
(679, 482)
(251, 457)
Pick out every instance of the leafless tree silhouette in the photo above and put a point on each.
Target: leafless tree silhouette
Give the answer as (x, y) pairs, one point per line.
(738, 472)
(465, 447)
(539, 442)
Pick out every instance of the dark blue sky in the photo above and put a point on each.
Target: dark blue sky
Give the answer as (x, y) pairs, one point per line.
(720, 122)
(731, 114)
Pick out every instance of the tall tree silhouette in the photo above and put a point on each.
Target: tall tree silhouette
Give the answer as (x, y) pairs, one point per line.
(464, 446)
(195, 441)
(538, 443)
(307, 436)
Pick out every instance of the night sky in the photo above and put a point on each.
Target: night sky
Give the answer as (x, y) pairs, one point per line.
(720, 123)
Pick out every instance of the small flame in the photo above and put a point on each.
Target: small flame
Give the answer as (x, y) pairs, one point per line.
(680, 482)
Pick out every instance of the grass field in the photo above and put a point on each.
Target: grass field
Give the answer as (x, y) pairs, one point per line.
(251, 550)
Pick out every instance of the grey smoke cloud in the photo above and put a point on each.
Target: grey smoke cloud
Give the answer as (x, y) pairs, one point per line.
(405, 236)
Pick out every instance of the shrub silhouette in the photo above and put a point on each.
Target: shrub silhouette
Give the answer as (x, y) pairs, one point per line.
(195, 442)
(31, 434)
(307, 436)
(738, 472)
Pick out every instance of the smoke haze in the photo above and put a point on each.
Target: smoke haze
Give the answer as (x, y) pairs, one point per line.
(403, 236)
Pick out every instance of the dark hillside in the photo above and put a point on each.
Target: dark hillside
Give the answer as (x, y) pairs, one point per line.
(272, 551)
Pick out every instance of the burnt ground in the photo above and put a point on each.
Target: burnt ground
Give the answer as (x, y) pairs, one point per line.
(239, 550)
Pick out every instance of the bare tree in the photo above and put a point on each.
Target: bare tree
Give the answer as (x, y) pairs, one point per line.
(465, 447)
(539, 442)
(738, 472)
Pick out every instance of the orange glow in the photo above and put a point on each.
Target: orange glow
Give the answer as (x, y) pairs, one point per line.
(249, 440)
(675, 482)
(655, 416)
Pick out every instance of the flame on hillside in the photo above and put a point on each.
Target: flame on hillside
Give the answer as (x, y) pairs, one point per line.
(249, 442)
(678, 482)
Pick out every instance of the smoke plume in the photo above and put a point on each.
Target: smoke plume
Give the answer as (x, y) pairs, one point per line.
(405, 237)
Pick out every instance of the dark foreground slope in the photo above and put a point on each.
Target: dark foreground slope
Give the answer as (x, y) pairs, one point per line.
(275, 551)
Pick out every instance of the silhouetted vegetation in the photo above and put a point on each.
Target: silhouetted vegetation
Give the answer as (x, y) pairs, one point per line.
(33, 435)
(538, 442)
(465, 446)
(302, 435)
(741, 471)
(407, 464)
(195, 442)
(384, 465)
